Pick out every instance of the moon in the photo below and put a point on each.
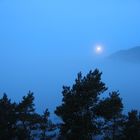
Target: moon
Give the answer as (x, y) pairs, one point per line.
(98, 49)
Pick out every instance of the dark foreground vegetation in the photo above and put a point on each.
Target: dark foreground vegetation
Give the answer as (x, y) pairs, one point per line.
(85, 113)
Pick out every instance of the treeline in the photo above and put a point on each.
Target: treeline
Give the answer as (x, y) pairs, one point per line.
(19, 121)
(86, 114)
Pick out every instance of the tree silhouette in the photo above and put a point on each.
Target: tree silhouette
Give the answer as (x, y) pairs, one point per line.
(110, 109)
(85, 114)
(132, 126)
(26, 114)
(7, 118)
(78, 108)
(44, 125)
(19, 121)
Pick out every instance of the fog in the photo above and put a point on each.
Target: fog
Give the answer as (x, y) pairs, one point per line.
(21, 74)
(44, 44)
(124, 77)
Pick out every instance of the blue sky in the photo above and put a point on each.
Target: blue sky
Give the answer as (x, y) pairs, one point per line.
(45, 40)
(67, 26)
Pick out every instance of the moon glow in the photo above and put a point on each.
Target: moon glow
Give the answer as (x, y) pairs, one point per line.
(98, 49)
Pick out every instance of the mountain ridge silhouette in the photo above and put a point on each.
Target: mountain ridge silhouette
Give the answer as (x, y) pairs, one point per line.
(130, 55)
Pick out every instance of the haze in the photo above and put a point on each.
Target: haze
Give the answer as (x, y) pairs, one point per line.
(44, 44)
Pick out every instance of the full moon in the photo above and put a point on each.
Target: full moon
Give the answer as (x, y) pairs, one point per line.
(98, 49)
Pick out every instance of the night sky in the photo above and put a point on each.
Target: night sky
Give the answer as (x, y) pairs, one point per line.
(44, 43)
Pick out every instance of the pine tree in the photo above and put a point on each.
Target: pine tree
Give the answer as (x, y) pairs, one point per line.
(19, 121)
(78, 108)
(132, 126)
(26, 114)
(44, 125)
(110, 109)
(7, 119)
